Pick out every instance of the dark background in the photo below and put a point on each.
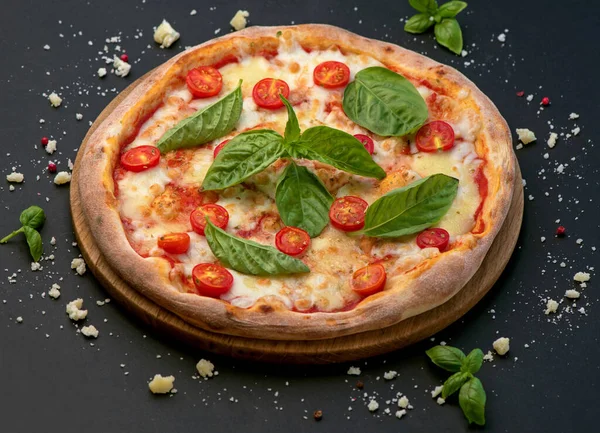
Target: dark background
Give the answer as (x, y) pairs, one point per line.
(53, 379)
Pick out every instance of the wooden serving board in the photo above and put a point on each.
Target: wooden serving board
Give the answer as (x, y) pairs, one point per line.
(339, 349)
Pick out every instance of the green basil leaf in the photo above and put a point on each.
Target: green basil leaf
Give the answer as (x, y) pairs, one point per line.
(212, 122)
(302, 200)
(412, 208)
(33, 217)
(451, 9)
(453, 383)
(473, 362)
(448, 34)
(249, 257)
(292, 128)
(246, 154)
(337, 148)
(472, 401)
(34, 240)
(447, 357)
(424, 5)
(384, 102)
(418, 23)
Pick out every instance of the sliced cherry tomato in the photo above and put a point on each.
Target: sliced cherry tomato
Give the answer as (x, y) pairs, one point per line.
(434, 136)
(218, 215)
(292, 241)
(434, 238)
(211, 279)
(140, 158)
(219, 147)
(367, 142)
(369, 280)
(175, 243)
(348, 213)
(266, 93)
(331, 74)
(204, 82)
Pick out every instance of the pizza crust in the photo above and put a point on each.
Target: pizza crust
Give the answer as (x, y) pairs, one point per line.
(423, 288)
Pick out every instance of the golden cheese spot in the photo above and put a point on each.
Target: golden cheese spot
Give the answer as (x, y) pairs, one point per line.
(294, 67)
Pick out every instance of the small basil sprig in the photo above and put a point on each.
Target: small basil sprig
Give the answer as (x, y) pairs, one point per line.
(31, 219)
(250, 257)
(447, 30)
(212, 122)
(472, 396)
(412, 208)
(384, 102)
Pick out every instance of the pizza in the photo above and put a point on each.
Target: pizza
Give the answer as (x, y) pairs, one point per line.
(298, 182)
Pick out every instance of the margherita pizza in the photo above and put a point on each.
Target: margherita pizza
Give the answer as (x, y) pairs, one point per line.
(298, 182)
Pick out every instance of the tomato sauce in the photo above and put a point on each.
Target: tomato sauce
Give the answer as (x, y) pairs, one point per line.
(348, 307)
(482, 185)
(230, 58)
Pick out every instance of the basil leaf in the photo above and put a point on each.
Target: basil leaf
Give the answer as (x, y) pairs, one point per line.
(384, 102)
(453, 383)
(292, 129)
(448, 34)
(250, 257)
(447, 357)
(418, 23)
(337, 148)
(302, 200)
(33, 217)
(472, 401)
(412, 208)
(34, 240)
(473, 362)
(210, 123)
(424, 5)
(451, 9)
(246, 154)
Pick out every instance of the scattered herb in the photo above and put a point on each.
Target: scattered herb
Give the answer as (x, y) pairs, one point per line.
(31, 219)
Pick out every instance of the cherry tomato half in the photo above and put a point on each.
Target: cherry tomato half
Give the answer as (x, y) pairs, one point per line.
(331, 74)
(292, 241)
(369, 280)
(204, 82)
(140, 158)
(175, 243)
(219, 147)
(367, 142)
(434, 136)
(266, 93)
(348, 213)
(434, 238)
(211, 279)
(217, 215)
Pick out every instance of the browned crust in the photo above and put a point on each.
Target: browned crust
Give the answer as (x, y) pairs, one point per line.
(424, 288)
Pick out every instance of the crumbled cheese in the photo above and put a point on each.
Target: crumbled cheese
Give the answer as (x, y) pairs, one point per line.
(62, 178)
(551, 306)
(121, 68)
(165, 35)
(79, 265)
(78, 116)
(102, 72)
(576, 130)
(529, 98)
(437, 391)
(51, 147)
(440, 401)
(502, 37)
(15, 177)
(552, 139)
(47, 47)
(354, 371)
(373, 405)
(55, 100)
(389, 375)
(239, 21)
(489, 357)
(35, 266)
(205, 368)
(193, 12)
(573, 116)
(582, 277)
(74, 310)
(525, 135)
(11, 188)
(403, 402)
(502, 345)
(19, 319)
(160, 384)
(400, 413)
(90, 331)
(572, 294)
(54, 292)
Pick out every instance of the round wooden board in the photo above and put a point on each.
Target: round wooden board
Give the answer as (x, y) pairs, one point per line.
(339, 349)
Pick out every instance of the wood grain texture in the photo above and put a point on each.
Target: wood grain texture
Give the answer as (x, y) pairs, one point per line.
(339, 349)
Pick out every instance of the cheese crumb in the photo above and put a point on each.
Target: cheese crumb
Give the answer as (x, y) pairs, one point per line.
(47, 47)
(51, 147)
(489, 357)
(205, 368)
(79, 265)
(239, 21)
(62, 178)
(440, 401)
(54, 292)
(400, 413)
(403, 402)
(121, 68)
(165, 35)
(389, 375)
(582, 277)
(552, 139)
(55, 100)
(373, 405)
(576, 130)
(90, 331)
(78, 116)
(573, 116)
(572, 294)
(193, 12)
(101, 72)
(502, 37)
(525, 135)
(74, 310)
(551, 306)
(35, 266)
(160, 384)
(437, 391)
(354, 371)
(15, 177)
(502, 345)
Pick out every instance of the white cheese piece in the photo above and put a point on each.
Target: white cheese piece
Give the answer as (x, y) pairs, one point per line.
(35, 266)
(121, 68)
(525, 135)
(79, 265)
(403, 402)
(572, 294)
(437, 391)
(51, 147)
(552, 139)
(502, 345)
(551, 306)
(489, 357)
(160, 384)
(573, 116)
(389, 375)
(54, 292)
(239, 21)
(165, 35)
(354, 371)
(55, 100)
(400, 413)
(62, 178)
(74, 310)
(373, 405)
(440, 401)
(15, 177)
(205, 368)
(19, 319)
(582, 277)
(47, 47)
(101, 72)
(90, 331)
(78, 116)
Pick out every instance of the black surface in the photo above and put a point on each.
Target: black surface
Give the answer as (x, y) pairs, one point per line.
(55, 380)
